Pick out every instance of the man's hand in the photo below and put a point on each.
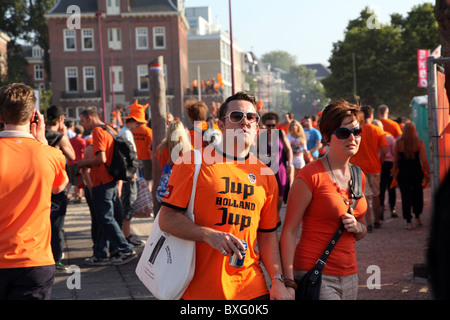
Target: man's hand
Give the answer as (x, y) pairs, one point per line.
(38, 129)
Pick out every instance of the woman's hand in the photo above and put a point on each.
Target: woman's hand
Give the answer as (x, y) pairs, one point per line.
(351, 225)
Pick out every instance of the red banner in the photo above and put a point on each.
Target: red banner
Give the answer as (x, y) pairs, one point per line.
(422, 55)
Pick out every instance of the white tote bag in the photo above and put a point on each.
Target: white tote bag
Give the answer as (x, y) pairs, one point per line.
(167, 264)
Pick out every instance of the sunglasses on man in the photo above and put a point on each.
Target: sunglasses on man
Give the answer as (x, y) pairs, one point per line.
(237, 116)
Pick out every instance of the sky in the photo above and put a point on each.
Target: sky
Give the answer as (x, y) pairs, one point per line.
(306, 29)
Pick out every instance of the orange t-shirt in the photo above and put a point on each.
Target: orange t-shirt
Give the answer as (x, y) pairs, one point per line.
(235, 196)
(143, 137)
(196, 136)
(28, 171)
(392, 127)
(321, 221)
(367, 157)
(102, 141)
(283, 127)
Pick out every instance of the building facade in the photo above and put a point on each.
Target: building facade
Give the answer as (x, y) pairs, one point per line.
(100, 50)
(36, 69)
(210, 54)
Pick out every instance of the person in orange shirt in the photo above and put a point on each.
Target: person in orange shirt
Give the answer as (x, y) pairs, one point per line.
(319, 200)
(104, 195)
(143, 137)
(236, 199)
(285, 125)
(30, 172)
(371, 155)
(197, 112)
(389, 125)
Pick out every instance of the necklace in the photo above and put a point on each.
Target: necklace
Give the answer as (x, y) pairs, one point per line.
(340, 191)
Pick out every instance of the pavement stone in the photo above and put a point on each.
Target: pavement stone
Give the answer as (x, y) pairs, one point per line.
(392, 249)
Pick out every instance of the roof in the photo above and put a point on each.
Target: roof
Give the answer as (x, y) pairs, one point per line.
(88, 6)
(153, 6)
(84, 5)
(319, 69)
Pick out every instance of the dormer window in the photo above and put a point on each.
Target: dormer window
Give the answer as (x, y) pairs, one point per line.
(37, 52)
(112, 7)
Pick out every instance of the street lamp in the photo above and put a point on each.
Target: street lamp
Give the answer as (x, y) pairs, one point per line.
(231, 48)
(99, 17)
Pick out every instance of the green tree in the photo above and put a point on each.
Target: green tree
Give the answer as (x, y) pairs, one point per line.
(24, 21)
(385, 59)
(279, 59)
(419, 31)
(306, 91)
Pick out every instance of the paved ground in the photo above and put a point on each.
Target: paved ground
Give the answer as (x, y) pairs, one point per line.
(392, 249)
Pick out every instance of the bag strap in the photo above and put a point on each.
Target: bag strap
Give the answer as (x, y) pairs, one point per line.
(105, 127)
(356, 194)
(198, 163)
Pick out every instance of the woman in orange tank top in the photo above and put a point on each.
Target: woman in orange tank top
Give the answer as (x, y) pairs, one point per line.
(319, 200)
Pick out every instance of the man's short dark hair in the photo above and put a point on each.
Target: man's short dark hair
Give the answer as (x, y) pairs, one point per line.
(17, 103)
(241, 95)
(270, 116)
(89, 112)
(368, 111)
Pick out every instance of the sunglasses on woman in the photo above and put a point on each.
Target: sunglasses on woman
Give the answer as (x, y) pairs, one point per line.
(344, 133)
(237, 116)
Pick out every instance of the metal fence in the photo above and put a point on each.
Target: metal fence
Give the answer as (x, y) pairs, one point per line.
(439, 122)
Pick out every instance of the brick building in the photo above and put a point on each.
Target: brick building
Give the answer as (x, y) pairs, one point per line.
(35, 58)
(133, 32)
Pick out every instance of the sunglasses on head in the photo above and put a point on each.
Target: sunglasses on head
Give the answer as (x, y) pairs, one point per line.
(344, 133)
(237, 116)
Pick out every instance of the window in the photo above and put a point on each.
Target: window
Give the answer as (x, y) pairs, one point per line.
(71, 79)
(141, 38)
(142, 73)
(112, 7)
(37, 52)
(38, 72)
(117, 77)
(89, 79)
(69, 40)
(115, 38)
(87, 39)
(159, 38)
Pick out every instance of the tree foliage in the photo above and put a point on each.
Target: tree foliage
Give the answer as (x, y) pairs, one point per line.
(279, 59)
(24, 22)
(306, 94)
(385, 58)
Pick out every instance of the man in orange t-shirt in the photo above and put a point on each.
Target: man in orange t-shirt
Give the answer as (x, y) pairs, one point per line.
(104, 195)
(30, 172)
(389, 125)
(369, 158)
(285, 125)
(236, 199)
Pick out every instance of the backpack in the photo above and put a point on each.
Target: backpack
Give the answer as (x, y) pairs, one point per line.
(124, 162)
(210, 135)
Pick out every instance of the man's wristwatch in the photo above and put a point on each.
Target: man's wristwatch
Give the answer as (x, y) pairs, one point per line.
(287, 282)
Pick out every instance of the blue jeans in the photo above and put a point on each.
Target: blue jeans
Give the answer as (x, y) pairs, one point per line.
(109, 231)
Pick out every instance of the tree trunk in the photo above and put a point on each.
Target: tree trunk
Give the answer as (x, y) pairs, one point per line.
(158, 109)
(442, 14)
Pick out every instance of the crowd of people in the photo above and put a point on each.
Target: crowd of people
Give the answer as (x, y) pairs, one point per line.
(259, 164)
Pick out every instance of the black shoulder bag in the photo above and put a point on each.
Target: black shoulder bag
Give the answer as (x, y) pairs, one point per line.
(308, 287)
